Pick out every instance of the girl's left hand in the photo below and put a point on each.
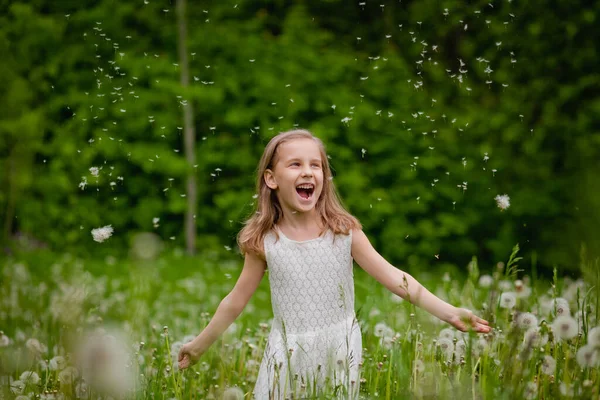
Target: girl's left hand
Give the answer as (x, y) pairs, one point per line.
(464, 320)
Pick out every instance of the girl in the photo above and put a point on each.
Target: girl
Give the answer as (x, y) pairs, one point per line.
(308, 241)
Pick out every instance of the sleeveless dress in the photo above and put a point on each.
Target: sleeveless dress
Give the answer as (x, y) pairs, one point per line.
(315, 341)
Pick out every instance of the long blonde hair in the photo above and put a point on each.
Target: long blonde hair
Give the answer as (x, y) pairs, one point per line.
(268, 210)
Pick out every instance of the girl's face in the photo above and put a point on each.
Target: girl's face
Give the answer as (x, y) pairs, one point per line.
(297, 175)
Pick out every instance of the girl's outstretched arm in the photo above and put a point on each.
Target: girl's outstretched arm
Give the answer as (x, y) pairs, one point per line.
(229, 309)
(407, 287)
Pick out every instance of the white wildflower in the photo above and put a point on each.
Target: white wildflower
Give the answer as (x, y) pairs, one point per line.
(447, 333)
(36, 347)
(4, 340)
(565, 327)
(561, 305)
(548, 365)
(534, 338)
(233, 393)
(526, 320)
(508, 300)
(593, 337)
(382, 330)
(460, 348)
(57, 363)
(101, 234)
(522, 290)
(505, 285)
(446, 346)
(418, 367)
(587, 356)
(485, 281)
(94, 171)
(30, 378)
(17, 387)
(530, 392)
(503, 201)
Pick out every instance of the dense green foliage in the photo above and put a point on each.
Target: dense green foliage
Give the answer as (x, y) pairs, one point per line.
(428, 91)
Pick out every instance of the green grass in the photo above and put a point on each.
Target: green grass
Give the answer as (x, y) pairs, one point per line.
(158, 304)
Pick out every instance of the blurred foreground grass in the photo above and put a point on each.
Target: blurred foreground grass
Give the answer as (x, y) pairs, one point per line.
(544, 345)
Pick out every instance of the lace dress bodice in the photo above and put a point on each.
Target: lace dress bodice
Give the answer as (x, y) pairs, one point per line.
(314, 334)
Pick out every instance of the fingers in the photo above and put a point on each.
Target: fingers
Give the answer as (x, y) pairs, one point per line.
(184, 362)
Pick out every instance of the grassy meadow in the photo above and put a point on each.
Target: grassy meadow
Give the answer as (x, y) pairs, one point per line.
(111, 328)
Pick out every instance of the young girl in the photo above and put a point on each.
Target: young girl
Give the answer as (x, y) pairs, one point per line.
(307, 241)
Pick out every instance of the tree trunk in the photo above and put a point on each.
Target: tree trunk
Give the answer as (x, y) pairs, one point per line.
(189, 134)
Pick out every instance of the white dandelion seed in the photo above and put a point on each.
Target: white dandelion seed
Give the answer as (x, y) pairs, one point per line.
(593, 337)
(446, 333)
(446, 346)
(101, 234)
(419, 367)
(530, 392)
(548, 365)
(503, 201)
(30, 378)
(526, 320)
(4, 340)
(534, 338)
(57, 363)
(587, 356)
(36, 347)
(17, 387)
(565, 327)
(485, 281)
(562, 307)
(382, 330)
(508, 300)
(94, 171)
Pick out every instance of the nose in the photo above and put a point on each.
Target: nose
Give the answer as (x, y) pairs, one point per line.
(306, 171)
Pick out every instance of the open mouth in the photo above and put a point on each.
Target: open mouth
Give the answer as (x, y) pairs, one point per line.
(305, 190)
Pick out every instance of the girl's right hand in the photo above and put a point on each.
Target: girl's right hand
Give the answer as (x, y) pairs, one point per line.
(187, 356)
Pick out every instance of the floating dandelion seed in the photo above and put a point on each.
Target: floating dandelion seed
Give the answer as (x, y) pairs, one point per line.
(101, 234)
(503, 201)
(94, 171)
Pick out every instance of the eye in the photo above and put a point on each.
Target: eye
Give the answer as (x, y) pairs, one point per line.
(295, 164)
(317, 165)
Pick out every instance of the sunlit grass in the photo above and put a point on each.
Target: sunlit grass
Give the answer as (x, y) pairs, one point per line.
(544, 343)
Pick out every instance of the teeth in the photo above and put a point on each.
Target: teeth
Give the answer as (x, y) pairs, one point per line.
(305, 186)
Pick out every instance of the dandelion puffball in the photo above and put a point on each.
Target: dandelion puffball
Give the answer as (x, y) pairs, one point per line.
(565, 327)
(508, 300)
(587, 356)
(503, 201)
(101, 234)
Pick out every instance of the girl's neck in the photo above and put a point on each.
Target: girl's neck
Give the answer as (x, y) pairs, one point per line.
(301, 222)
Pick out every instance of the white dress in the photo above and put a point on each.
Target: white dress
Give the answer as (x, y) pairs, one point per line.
(315, 341)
